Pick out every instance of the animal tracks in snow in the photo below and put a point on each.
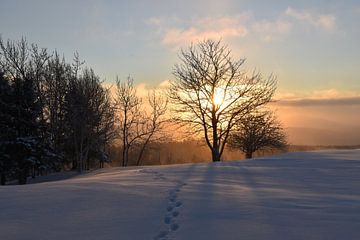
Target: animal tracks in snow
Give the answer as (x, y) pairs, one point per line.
(172, 209)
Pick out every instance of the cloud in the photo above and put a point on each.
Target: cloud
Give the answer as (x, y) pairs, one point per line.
(326, 22)
(322, 97)
(321, 117)
(332, 93)
(309, 102)
(176, 32)
(142, 89)
(271, 30)
(154, 21)
(179, 36)
(164, 84)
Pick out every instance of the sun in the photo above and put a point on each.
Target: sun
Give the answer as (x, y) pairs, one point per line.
(218, 97)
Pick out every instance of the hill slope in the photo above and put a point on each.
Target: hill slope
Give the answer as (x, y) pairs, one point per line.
(311, 195)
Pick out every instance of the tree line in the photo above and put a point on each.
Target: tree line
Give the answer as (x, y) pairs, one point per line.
(54, 114)
(57, 115)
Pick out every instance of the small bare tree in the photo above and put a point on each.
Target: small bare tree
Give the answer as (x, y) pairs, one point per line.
(211, 92)
(136, 127)
(131, 121)
(256, 131)
(155, 121)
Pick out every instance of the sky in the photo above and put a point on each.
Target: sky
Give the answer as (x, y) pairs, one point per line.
(311, 46)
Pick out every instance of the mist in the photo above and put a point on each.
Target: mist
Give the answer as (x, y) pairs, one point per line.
(321, 121)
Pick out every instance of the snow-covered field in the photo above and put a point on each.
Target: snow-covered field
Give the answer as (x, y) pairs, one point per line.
(311, 195)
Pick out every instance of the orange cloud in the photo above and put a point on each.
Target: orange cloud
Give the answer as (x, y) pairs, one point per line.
(331, 93)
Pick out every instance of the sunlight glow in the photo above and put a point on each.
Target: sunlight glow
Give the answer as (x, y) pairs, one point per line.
(223, 98)
(218, 97)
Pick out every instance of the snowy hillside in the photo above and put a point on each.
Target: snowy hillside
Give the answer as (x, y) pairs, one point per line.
(313, 195)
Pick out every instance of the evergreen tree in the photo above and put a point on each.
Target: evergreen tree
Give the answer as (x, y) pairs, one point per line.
(24, 143)
(7, 130)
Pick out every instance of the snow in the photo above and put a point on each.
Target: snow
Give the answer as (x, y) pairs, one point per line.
(308, 195)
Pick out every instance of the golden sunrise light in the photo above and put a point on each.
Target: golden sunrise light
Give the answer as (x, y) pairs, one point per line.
(180, 120)
(219, 97)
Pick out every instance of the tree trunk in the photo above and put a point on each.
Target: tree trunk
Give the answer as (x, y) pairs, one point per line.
(125, 156)
(248, 155)
(74, 164)
(215, 146)
(22, 176)
(138, 162)
(33, 172)
(2, 179)
(215, 155)
(125, 148)
(143, 150)
(81, 157)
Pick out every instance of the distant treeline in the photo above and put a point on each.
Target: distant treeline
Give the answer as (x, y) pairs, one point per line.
(189, 151)
(196, 151)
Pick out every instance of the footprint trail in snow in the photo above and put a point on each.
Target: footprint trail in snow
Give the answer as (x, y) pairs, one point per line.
(172, 209)
(172, 212)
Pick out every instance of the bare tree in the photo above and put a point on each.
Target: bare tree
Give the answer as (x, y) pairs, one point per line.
(106, 129)
(256, 131)
(55, 85)
(138, 125)
(89, 118)
(24, 61)
(155, 122)
(211, 92)
(131, 120)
